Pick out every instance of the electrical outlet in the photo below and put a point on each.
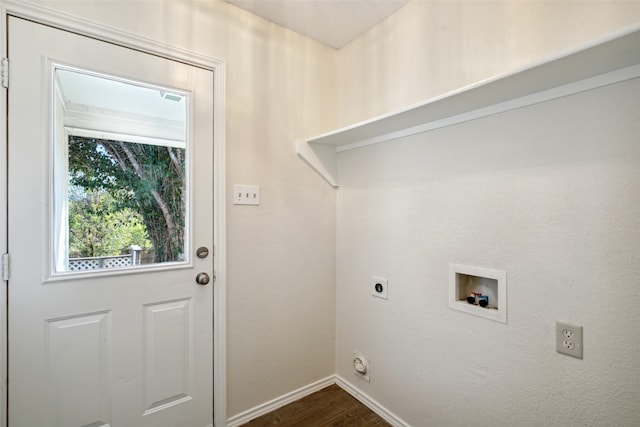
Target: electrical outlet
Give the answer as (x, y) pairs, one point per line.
(246, 195)
(380, 287)
(569, 339)
(361, 365)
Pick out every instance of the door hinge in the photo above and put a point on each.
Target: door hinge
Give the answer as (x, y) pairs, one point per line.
(4, 73)
(5, 266)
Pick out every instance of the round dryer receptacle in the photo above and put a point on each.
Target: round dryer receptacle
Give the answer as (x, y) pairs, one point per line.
(359, 365)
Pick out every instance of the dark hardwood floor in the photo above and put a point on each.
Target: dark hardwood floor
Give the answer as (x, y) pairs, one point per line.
(329, 407)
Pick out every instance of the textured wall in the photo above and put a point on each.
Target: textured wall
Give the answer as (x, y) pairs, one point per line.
(549, 194)
(281, 255)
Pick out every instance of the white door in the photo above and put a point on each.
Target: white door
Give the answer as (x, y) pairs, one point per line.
(109, 339)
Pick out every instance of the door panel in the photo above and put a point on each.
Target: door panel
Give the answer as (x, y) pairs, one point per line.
(78, 344)
(117, 347)
(168, 337)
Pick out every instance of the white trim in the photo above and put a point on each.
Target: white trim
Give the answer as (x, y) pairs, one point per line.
(220, 247)
(68, 22)
(115, 136)
(3, 228)
(371, 403)
(285, 399)
(279, 402)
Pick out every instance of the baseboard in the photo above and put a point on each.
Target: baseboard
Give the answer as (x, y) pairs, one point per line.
(272, 405)
(370, 403)
(279, 402)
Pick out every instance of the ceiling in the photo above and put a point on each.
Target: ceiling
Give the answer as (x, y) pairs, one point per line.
(331, 22)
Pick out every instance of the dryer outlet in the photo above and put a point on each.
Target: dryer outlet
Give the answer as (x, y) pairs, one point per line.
(361, 366)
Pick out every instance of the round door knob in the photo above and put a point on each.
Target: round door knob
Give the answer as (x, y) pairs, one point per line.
(202, 279)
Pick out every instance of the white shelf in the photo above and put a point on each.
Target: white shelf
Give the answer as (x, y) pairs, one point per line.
(606, 62)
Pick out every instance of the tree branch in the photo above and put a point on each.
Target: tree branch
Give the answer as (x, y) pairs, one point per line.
(166, 212)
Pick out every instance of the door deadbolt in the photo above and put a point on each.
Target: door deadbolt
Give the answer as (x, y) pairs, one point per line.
(202, 252)
(202, 278)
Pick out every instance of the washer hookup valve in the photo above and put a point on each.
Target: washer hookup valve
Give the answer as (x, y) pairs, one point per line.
(476, 298)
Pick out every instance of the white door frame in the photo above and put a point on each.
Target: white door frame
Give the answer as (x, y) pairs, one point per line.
(72, 23)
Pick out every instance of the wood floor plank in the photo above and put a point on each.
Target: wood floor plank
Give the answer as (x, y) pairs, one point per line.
(329, 407)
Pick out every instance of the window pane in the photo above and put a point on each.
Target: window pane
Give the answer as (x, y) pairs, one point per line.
(120, 174)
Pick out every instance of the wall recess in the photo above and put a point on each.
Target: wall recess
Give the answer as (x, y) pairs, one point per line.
(478, 291)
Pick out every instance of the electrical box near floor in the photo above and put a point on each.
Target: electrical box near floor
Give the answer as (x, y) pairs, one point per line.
(478, 291)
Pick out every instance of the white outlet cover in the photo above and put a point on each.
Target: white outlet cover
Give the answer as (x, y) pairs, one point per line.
(569, 339)
(380, 287)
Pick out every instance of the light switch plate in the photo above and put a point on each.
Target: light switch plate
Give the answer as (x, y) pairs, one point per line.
(246, 195)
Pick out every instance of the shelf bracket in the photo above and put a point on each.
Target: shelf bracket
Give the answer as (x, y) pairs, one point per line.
(322, 158)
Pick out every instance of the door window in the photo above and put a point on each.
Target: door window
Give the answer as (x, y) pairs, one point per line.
(120, 173)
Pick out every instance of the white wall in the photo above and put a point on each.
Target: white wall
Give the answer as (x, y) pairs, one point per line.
(429, 48)
(548, 193)
(281, 268)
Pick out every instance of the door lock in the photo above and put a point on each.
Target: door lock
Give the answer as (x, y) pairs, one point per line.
(202, 278)
(202, 252)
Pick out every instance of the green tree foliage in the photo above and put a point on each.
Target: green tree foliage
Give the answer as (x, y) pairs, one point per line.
(98, 226)
(148, 179)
